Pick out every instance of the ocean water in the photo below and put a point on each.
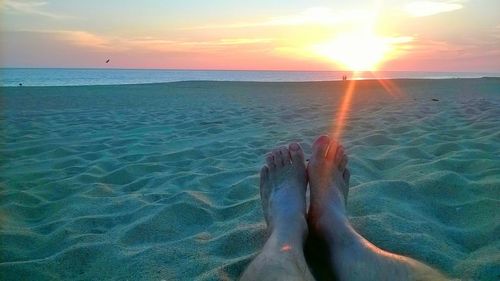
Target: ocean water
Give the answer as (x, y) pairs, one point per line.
(75, 76)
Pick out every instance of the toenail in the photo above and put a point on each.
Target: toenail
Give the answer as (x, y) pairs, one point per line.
(294, 147)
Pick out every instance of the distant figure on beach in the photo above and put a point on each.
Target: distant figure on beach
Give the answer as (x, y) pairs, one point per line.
(344, 77)
(283, 183)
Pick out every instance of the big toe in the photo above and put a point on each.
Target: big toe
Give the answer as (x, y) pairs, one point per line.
(278, 158)
(296, 154)
(320, 147)
(285, 155)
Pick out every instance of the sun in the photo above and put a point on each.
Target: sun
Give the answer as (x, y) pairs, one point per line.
(361, 50)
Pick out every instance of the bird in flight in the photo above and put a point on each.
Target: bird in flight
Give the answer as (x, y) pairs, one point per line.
(108, 61)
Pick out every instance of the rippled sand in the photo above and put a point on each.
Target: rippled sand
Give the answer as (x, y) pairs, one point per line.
(152, 182)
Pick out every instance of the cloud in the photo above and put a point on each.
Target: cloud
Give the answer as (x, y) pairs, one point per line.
(496, 31)
(318, 15)
(427, 46)
(430, 8)
(30, 7)
(83, 38)
(310, 16)
(97, 42)
(161, 45)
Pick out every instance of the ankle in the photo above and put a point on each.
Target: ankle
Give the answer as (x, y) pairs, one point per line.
(290, 228)
(333, 225)
(327, 216)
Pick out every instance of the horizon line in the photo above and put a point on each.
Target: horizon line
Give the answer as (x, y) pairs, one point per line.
(251, 70)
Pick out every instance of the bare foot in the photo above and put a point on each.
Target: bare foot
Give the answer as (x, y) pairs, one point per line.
(351, 256)
(283, 186)
(328, 180)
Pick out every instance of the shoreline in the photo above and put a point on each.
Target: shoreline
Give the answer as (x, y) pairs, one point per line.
(260, 82)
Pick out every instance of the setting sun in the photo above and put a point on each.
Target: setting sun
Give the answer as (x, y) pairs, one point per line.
(357, 50)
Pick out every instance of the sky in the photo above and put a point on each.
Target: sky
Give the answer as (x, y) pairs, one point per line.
(404, 35)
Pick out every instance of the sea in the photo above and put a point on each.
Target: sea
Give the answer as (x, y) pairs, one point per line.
(10, 77)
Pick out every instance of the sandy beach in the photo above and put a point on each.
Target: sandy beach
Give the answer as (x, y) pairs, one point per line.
(160, 181)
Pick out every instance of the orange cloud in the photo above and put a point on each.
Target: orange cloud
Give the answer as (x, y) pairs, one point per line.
(84, 38)
(120, 44)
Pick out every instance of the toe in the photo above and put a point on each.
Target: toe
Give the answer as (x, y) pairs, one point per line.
(285, 155)
(278, 160)
(296, 153)
(270, 161)
(333, 148)
(320, 147)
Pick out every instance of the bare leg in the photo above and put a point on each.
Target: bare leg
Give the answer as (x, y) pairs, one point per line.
(352, 257)
(283, 185)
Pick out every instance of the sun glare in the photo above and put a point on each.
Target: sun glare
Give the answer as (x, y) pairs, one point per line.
(357, 51)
